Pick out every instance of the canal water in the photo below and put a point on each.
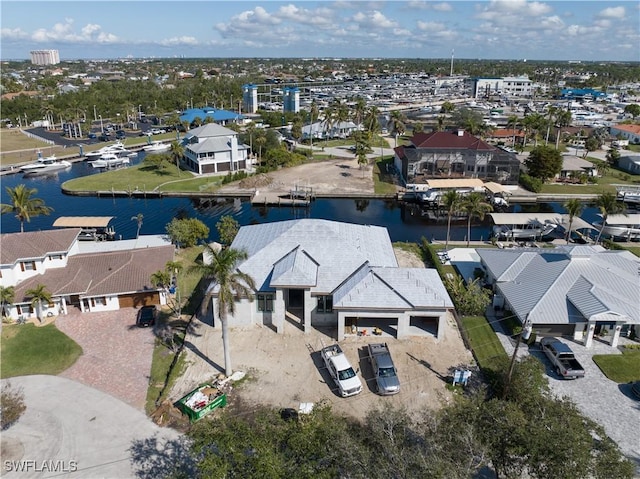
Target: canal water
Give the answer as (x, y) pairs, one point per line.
(404, 222)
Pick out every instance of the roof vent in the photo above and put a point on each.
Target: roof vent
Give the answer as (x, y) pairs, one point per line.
(460, 132)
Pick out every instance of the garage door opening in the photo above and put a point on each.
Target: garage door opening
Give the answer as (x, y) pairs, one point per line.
(382, 327)
(423, 326)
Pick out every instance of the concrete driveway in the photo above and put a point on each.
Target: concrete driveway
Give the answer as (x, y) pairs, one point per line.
(71, 430)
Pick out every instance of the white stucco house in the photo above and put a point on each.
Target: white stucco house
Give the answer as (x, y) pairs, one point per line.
(212, 148)
(319, 273)
(571, 291)
(87, 275)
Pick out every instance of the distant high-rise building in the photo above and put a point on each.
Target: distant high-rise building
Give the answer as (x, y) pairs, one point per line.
(45, 57)
(291, 99)
(250, 98)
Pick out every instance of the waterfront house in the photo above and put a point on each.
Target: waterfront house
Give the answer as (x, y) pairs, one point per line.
(454, 154)
(573, 291)
(626, 132)
(311, 272)
(212, 148)
(87, 275)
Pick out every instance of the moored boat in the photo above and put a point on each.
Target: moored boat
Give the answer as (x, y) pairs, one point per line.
(46, 165)
(117, 147)
(157, 147)
(110, 160)
(620, 227)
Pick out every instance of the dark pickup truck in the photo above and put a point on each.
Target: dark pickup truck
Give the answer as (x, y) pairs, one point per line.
(562, 358)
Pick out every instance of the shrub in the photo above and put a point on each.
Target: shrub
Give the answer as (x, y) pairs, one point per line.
(11, 406)
(529, 183)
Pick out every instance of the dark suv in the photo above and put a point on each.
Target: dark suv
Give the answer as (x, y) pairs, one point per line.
(146, 316)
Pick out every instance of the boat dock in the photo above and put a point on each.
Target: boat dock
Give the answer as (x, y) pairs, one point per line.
(261, 198)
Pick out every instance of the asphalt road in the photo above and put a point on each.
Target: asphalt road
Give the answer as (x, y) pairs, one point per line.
(74, 431)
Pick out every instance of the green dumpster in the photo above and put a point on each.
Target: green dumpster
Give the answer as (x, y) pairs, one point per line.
(201, 401)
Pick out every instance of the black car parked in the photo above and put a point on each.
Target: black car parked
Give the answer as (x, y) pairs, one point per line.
(146, 316)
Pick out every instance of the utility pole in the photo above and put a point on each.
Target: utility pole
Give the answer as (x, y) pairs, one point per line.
(524, 334)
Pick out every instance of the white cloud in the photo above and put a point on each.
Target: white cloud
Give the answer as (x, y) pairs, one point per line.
(13, 34)
(443, 7)
(613, 12)
(430, 26)
(175, 41)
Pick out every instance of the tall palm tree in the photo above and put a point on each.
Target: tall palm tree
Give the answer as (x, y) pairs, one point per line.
(359, 111)
(39, 295)
(177, 153)
(371, 122)
(552, 113)
(260, 140)
(574, 207)
(473, 205)
(451, 200)
(23, 206)
(232, 285)
(7, 295)
(563, 118)
(138, 218)
(396, 124)
(608, 204)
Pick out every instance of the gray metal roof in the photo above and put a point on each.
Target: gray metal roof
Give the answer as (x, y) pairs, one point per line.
(211, 144)
(338, 248)
(555, 286)
(210, 130)
(296, 268)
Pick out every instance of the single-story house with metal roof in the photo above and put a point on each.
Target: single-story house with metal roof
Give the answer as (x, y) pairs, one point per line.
(88, 275)
(630, 163)
(572, 291)
(212, 148)
(312, 272)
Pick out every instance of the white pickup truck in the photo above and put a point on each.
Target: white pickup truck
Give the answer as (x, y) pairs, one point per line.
(562, 358)
(341, 371)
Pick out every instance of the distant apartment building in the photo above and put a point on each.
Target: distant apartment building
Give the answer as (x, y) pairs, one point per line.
(291, 99)
(510, 86)
(250, 98)
(45, 57)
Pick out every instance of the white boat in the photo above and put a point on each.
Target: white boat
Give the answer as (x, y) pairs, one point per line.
(623, 227)
(157, 147)
(520, 226)
(117, 147)
(44, 166)
(629, 194)
(110, 160)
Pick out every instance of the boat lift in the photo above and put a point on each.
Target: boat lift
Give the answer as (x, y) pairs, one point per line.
(92, 228)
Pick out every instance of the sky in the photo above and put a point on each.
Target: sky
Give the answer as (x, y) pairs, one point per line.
(606, 30)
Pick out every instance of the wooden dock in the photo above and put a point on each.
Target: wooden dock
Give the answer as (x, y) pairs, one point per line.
(261, 198)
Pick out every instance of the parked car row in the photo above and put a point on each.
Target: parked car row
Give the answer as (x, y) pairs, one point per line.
(346, 378)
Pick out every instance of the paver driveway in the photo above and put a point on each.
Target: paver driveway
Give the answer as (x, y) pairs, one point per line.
(116, 355)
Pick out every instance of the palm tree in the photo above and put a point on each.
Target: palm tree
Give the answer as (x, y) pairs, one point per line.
(574, 208)
(608, 204)
(396, 124)
(177, 153)
(232, 284)
(563, 118)
(39, 295)
(7, 295)
(161, 279)
(313, 115)
(552, 112)
(139, 217)
(372, 125)
(260, 140)
(474, 205)
(452, 201)
(23, 205)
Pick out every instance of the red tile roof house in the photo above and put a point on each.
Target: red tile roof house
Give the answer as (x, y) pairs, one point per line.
(627, 132)
(454, 154)
(91, 276)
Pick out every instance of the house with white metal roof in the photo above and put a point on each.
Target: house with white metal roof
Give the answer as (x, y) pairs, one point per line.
(212, 148)
(312, 272)
(572, 291)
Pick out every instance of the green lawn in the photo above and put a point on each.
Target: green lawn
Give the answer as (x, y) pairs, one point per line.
(486, 347)
(383, 181)
(28, 349)
(620, 368)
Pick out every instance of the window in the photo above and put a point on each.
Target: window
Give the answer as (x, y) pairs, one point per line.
(28, 266)
(101, 301)
(325, 304)
(55, 256)
(265, 302)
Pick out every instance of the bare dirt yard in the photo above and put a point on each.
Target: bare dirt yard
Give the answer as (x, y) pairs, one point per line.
(332, 177)
(284, 370)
